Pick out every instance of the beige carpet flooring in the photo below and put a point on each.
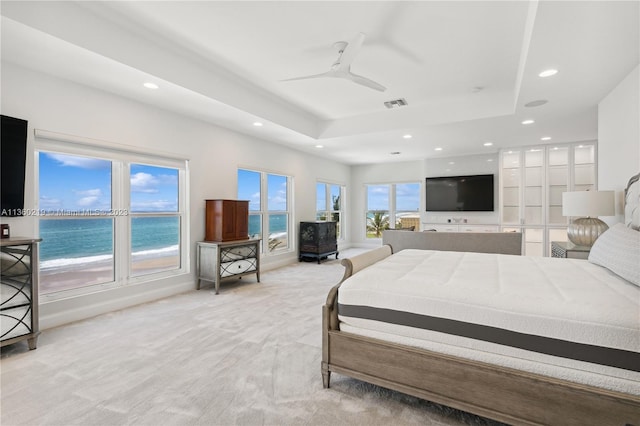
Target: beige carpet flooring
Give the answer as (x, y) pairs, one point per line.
(248, 356)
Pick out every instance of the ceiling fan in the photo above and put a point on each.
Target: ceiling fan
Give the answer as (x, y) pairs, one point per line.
(341, 68)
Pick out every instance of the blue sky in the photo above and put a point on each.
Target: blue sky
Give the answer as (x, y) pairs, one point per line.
(407, 197)
(249, 189)
(321, 195)
(74, 183)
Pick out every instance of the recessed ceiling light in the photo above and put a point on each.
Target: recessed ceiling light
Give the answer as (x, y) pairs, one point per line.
(452, 162)
(257, 124)
(150, 85)
(528, 122)
(407, 136)
(490, 160)
(319, 146)
(395, 153)
(555, 148)
(488, 144)
(548, 73)
(537, 103)
(438, 149)
(545, 138)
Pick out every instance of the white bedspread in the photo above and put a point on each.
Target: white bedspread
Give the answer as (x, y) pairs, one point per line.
(567, 299)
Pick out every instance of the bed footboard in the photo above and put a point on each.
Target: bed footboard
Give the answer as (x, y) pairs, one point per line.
(330, 308)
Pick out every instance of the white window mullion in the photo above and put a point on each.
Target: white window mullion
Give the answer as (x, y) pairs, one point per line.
(392, 206)
(264, 213)
(183, 202)
(121, 216)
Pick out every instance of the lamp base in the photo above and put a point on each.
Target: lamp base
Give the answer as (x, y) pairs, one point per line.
(586, 230)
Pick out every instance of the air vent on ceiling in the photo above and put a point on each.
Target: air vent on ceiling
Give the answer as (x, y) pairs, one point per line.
(396, 103)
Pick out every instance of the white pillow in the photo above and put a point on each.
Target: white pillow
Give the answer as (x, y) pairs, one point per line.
(618, 249)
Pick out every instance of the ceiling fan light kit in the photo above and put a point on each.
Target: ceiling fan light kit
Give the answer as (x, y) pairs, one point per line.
(341, 68)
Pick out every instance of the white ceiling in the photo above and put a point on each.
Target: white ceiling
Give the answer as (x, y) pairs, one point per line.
(466, 69)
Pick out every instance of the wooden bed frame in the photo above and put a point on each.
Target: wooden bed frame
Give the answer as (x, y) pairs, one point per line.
(495, 392)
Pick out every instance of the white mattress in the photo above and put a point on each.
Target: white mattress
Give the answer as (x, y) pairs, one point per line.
(567, 299)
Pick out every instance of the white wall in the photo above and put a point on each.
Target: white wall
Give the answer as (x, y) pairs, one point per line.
(56, 105)
(619, 138)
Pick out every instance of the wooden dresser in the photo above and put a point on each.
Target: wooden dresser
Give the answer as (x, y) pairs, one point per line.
(226, 220)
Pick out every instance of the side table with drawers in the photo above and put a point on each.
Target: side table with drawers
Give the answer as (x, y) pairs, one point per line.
(220, 261)
(569, 250)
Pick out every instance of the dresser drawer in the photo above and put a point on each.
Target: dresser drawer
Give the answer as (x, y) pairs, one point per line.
(228, 269)
(229, 254)
(14, 294)
(15, 322)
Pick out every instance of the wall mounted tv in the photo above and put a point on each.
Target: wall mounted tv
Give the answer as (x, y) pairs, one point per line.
(459, 193)
(13, 155)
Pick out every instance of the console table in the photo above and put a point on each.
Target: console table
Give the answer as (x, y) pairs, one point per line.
(220, 261)
(19, 291)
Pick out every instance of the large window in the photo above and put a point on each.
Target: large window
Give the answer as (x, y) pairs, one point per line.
(104, 219)
(329, 205)
(392, 206)
(155, 219)
(269, 214)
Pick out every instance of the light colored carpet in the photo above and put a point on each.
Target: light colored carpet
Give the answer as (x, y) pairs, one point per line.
(248, 356)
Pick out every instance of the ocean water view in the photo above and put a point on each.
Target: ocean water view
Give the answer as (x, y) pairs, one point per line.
(68, 242)
(277, 225)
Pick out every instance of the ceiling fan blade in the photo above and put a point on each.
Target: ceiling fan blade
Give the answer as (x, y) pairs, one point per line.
(350, 52)
(306, 77)
(366, 82)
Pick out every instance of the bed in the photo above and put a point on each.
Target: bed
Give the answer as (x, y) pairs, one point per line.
(516, 339)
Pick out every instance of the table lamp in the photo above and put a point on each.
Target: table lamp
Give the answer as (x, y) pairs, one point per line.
(585, 230)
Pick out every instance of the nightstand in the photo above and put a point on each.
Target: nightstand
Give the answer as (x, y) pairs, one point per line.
(569, 250)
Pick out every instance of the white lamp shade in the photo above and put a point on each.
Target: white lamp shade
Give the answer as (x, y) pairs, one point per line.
(588, 203)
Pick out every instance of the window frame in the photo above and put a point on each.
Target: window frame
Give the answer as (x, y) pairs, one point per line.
(392, 205)
(264, 211)
(121, 158)
(328, 210)
(164, 213)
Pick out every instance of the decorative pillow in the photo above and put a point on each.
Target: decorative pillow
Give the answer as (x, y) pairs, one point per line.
(632, 203)
(618, 250)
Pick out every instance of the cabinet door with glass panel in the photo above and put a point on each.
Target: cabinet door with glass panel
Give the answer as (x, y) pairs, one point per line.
(522, 196)
(532, 180)
(571, 168)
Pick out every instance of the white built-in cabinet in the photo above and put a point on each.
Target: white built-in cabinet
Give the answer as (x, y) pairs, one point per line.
(463, 227)
(532, 180)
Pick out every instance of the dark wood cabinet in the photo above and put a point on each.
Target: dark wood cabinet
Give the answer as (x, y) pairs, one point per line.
(318, 240)
(226, 220)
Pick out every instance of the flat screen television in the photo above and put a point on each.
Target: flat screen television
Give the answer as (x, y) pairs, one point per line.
(13, 156)
(459, 193)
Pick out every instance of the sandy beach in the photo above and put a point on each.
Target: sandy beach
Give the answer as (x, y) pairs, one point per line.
(73, 276)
